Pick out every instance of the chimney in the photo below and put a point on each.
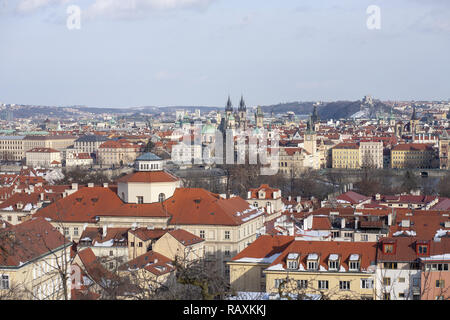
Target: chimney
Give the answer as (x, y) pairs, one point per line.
(356, 223)
(42, 196)
(249, 195)
(289, 198)
(343, 223)
(155, 261)
(299, 199)
(447, 224)
(90, 185)
(378, 196)
(75, 186)
(406, 223)
(105, 231)
(390, 219)
(105, 185)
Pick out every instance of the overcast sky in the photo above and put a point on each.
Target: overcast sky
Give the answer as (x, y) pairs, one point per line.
(196, 52)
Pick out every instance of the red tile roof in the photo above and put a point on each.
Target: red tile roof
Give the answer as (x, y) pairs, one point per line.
(193, 206)
(265, 246)
(82, 206)
(29, 240)
(365, 250)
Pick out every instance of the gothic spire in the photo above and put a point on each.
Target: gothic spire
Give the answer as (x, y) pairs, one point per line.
(242, 106)
(229, 106)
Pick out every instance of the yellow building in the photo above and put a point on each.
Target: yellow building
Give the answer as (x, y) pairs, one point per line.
(320, 269)
(412, 155)
(34, 256)
(346, 156)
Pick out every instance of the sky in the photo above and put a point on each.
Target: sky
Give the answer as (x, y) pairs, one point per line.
(130, 53)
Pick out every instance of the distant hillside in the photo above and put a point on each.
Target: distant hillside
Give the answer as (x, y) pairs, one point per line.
(331, 110)
(296, 107)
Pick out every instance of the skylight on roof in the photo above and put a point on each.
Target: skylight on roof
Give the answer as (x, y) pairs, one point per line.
(354, 257)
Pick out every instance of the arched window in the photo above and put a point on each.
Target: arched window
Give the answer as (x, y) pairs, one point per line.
(161, 197)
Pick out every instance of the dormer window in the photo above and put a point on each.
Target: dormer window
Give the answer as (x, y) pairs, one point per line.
(354, 262)
(313, 261)
(292, 260)
(422, 249)
(333, 262)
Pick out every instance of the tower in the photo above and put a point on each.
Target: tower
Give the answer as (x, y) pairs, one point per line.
(229, 117)
(413, 122)
(310, 142)
(259, 117)
(242, 114)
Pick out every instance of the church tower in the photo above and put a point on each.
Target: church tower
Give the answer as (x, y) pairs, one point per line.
(229, 117)
(242, 114)
(413, 122)
(259, 117)
(310, 142)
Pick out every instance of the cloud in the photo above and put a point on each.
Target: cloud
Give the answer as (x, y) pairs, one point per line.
(28, 6)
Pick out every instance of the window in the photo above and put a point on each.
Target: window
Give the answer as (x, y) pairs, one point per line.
(333, 265)
(387, 281)
(5, 282)
(111, 253)
(390, 265)
(364, 237)
(366, 283)
(401, 295)
(132, 244)
(75, 231)
(227, 235)
(202, 234)
(66, 231)
(354, 265)
(440, 283)
(388, 248)
(416, 282)
(386, 296)
(323, 284)
(9, 218)
(111, 265)
(422, 249)
(227, 252)
(140, 244)
(439, 297)
(279, 283)
(344, 285)
(140, 199)
(312, 265)
(302, 284)
(161, 197)
(401, 280)
(292, 265)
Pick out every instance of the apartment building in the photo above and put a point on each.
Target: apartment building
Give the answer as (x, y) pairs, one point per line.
(412, 155)
(33, 258)
(51, 141)
(43, 157)
(346, 156)
(12, 148)
(118, 153)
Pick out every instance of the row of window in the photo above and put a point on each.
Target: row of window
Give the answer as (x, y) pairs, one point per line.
(324, 284)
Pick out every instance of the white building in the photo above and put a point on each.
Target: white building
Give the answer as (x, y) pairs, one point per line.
(43, 157)
(149, 183)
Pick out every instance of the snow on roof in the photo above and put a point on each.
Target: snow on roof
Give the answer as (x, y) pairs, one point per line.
(411, 233)
(313, 256)
(277, 267)
(267, 260)
(333, 257)
(439, 257)
(354, 257)
(439, 233)
(108, 243)
(292, 256)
